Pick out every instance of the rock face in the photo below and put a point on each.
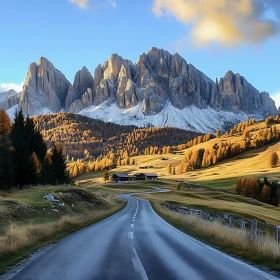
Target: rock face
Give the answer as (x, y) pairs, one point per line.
(44, 87)
(12, 101)
(268, 104)
(238, 94)
(156, 80)
(8, 99)
(83, 81)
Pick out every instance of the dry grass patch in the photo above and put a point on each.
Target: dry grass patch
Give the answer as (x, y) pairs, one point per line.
(20, 240)
(262, 250)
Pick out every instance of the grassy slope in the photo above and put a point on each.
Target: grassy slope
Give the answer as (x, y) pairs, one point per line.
(263, 251)
(223, 175)
(25, 212)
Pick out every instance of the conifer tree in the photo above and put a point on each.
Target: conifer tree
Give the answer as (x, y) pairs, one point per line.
(34, 170)
(6, 160)
(105, 176)
(266, 194)
(273, 160)
(47, 172)
(59, 166)
(21, 151)
(169, 168)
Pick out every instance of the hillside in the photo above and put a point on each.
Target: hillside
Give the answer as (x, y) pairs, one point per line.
(83, 137)
(253, 162)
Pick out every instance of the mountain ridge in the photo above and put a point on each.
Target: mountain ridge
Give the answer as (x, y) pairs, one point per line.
(157, 79)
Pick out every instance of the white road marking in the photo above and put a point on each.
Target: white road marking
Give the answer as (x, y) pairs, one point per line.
(132, 225)
(130, 235)
(133, 220)
(138, 265)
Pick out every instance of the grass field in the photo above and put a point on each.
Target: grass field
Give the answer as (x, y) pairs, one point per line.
(262, 251)
(27, 221)
(253, 163)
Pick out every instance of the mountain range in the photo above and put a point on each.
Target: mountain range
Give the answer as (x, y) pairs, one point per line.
(161, 89)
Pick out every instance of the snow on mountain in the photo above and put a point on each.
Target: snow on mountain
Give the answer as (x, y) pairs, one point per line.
(5, 95)
(12, 111)
(190, 118)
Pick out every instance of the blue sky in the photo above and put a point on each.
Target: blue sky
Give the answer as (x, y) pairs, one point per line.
(86, 32)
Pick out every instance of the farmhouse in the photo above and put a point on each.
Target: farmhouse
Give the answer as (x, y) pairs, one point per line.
(151, 176)
(140, 176)
(145, 176)
(120, 178)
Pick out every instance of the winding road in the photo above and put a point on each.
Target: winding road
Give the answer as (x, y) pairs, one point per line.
(135, 243)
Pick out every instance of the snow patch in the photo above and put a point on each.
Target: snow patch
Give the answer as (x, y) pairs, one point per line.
(190, 118)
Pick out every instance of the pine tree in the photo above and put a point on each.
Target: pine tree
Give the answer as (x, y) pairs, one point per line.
(6, 159)
(59, 166)
(169, 168)
(21, 153)
(265, 194)
(273, 160)
(218, 133)
(34, 170)
(238, 186)
(47, 173)
(105, 176)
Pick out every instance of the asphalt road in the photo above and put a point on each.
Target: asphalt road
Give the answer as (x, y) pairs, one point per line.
(135, 244)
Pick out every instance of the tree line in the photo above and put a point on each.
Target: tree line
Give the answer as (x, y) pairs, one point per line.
(24, 156)
(264, 191)
(203, 158)
(88, 139)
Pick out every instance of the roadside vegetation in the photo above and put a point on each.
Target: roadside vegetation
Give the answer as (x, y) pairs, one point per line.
(262, 249)
(28, 221)
(264, 191)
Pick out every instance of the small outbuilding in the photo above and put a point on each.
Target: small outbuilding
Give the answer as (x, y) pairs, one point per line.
(151, 176)
(120, 178)
(140, 176)
(145, 167)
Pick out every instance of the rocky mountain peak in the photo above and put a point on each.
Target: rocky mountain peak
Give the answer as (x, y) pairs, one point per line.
(112, 67)
(44, 88)
(158, 80)
(83, 80)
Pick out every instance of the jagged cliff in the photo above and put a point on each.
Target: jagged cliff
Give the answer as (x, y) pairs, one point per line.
(158, 78)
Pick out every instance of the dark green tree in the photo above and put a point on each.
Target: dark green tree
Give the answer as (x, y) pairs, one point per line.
(21, 150)
(6, 159)
(59, 167)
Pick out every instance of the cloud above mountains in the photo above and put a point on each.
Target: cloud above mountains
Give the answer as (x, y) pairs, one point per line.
(84, 3)
(224, 22)
(5, 87)
(81, 3)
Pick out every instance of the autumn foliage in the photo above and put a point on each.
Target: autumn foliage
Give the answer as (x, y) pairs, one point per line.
(203, 158)
(263, 191)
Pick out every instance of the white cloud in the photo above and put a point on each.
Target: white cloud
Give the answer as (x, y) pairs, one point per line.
(85, 3)
(6, 87)
(81, 3)
(225, 22)
(113, 3)
(276, 98)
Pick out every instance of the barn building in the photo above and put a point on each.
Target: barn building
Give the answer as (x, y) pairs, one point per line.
(120, 178)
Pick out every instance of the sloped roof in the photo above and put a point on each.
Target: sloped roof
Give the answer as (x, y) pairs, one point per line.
(151, 174)
(122, 175)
